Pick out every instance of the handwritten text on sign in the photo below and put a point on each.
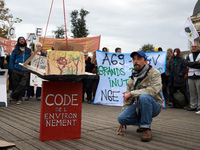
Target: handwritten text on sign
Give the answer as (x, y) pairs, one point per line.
(63, 118)
(60, 110)
(39, 63)
(115, 70)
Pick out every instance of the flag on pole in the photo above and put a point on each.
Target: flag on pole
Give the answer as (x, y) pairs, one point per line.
(188, 31)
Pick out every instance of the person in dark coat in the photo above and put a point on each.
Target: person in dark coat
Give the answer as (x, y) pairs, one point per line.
(87, 83)
(20, 77)
(176, 70)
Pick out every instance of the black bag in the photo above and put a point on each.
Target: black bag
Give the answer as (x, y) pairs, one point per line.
(179, 100)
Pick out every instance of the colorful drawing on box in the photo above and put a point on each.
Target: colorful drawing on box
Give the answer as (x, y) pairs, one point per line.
(65, 62)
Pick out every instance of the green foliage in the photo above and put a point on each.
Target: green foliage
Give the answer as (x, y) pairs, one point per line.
(6, 20)
(79, 23)
(60, 32)
(147, 48)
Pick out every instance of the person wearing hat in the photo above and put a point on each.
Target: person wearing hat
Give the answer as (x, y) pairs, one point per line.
(20, 77)
(143, 98)
(176, 71)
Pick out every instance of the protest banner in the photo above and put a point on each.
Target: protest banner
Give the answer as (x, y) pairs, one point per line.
(90, 44)
(8, 45)
(38, 62)
(115, 70)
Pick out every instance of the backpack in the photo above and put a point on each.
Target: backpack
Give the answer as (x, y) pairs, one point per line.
(179, 100)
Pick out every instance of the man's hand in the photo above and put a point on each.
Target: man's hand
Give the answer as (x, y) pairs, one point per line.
(121, 127)
(127, 96)
(39, 53)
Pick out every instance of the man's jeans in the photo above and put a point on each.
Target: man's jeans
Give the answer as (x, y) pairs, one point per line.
(149, 108)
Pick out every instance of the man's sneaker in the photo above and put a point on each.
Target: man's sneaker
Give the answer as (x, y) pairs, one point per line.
(19, 102)
(146, 135)
(192, 109)
(170, 104)
(89, 101)
(186, 107)
(10, 99)
(27, 99)
(38, 98)
(198, 109)
(198, 112)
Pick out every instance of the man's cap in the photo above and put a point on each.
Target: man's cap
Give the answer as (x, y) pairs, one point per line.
(141, 53)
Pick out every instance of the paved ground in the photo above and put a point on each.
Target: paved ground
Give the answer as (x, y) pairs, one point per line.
(173, 129)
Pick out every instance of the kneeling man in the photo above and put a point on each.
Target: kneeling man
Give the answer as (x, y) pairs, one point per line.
(143, 98)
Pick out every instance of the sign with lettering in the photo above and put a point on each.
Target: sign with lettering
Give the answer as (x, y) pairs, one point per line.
(38, 32)
(60, 111)
(115, 70)
(39, 63)
(11, 31)
(8, 45)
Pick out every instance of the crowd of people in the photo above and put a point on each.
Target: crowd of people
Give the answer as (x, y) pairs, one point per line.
(143, 99)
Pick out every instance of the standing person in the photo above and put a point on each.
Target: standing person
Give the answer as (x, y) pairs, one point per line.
(164, 79)
(167, 89)
(2, 55)
(118, 50)
(105, 49)
(95, 70)
(87, 83)
(193, 62)
(19, 76)
(145, 88)
(31, 88)
(176, 71)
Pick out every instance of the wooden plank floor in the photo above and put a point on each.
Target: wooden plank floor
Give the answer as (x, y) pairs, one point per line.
(173, 129)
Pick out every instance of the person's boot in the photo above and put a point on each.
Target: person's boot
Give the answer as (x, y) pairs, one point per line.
(140, 129)
(146, 135)
(89, 101)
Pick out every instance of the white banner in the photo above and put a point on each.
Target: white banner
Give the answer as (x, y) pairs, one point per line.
(189, 31)
(115, 70)
(34, 79)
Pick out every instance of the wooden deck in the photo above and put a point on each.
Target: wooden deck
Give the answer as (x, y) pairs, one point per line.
(173, 129)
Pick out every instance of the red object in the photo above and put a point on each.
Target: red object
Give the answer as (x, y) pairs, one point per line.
(61, 105)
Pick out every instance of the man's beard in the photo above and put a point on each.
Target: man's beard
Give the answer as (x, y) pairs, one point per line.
(137, 68)
(22, 45)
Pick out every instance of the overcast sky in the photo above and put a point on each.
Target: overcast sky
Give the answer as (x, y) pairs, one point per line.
(128, 24)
